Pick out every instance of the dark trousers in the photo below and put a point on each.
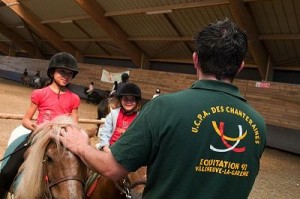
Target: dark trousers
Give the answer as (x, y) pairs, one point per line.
(10, 169)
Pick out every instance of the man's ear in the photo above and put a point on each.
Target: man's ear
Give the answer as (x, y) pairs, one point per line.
(241, 67)
(195, 61)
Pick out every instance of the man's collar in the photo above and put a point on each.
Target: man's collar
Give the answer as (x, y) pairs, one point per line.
(219, 86)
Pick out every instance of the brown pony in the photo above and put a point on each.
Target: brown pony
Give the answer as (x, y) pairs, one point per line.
(100, 187)
(50, 170)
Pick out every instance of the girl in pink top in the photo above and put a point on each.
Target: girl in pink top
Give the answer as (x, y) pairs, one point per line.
(55, 99)
(51, 101)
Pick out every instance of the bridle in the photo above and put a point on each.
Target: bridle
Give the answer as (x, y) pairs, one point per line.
(125, 185)
(55, 182)
(63, 179)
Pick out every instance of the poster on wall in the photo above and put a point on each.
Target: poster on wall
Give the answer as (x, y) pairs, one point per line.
(111, 77)
(262, 84)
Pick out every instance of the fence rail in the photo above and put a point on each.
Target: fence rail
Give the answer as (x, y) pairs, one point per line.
(14, 116)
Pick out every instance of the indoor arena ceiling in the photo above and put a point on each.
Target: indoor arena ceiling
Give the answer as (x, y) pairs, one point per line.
(146, 31)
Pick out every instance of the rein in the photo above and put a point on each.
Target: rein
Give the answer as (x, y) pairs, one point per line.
(27, 143)
(125, 186)
(132, 185)
(12, 153)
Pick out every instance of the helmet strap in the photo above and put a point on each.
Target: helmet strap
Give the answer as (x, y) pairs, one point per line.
(58, 88)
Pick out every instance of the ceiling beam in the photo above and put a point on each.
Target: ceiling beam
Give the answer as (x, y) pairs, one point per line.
(183, 61)
(173, 25)
(164, 38)
(89, 36)
(163, 49)
(168, 8)
(114, 31)
(189, 61)
(289, 61)
(288, 68)
(107, 57)
(157, 9)
(62, 20)
(87, 39)
(188, 38)
(54, 38)
(19, 41)
(245, 20)
(2, 4)
(279, 37)
(33, 38)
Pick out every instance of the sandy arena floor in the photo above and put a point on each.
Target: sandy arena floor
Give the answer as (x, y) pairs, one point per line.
(280, 171)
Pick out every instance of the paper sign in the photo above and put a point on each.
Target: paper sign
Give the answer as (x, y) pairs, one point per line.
(111, 77)
(262, 84)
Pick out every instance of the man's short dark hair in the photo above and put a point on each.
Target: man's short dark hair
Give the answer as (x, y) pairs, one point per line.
(221, 48)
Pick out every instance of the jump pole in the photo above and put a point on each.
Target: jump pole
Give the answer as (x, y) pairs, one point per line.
(14, 116)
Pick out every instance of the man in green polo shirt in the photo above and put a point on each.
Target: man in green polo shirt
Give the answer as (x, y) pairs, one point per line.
(202, 142)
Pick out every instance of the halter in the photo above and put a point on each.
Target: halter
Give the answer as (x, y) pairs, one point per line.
(125, 185)
(55, 182)
(59, 87)
(63, 179)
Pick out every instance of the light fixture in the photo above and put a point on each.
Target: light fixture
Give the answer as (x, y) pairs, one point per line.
(66, 21)
(158, 12)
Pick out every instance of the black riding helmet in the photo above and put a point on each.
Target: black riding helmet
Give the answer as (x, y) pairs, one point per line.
(130, 89)
(63, 60)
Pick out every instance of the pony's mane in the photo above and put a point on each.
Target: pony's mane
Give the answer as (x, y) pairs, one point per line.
(32, 180)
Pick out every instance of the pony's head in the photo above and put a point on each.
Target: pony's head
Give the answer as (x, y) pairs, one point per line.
(50, 170)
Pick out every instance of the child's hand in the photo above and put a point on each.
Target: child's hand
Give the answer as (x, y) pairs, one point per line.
(34, 125)
(106, 149)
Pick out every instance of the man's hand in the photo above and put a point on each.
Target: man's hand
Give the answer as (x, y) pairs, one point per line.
(77, 141)
(74, 139)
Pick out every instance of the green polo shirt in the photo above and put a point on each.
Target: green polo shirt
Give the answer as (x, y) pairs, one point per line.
(202, 142)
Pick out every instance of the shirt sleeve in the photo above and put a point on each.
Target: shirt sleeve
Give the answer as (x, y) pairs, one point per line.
(36, 96)
(76, 101)
(106, 131)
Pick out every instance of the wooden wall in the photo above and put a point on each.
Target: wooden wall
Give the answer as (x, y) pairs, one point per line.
(279, 104)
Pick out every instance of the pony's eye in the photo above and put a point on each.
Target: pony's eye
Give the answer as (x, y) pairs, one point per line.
(47, 159)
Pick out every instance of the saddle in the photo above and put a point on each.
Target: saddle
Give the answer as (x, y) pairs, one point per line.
(94, 179)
